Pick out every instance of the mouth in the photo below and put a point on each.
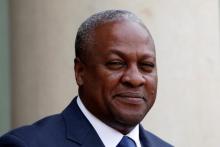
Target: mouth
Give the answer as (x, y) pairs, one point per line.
(130, 97)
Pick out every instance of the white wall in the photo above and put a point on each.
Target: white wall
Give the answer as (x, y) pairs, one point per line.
(186, 34)
(187, 38)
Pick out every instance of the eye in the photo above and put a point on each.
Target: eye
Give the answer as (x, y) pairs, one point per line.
(147, 66)
(115, 64)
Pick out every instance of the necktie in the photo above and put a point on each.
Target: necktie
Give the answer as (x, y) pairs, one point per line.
(126, 142)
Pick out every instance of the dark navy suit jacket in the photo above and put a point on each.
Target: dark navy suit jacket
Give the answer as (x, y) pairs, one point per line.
(68, 129)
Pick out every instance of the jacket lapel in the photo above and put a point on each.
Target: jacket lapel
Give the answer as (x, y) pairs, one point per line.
(78, 128)
(150, 140)
(143, 138)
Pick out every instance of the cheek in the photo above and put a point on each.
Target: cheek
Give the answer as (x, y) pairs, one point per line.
(110, 82)
(151, 86)
(111, 77)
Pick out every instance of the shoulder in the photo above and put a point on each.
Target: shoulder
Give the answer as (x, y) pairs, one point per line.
(152, 140)
(44, 129)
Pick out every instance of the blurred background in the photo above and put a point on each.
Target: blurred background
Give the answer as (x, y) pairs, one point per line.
(37, 54)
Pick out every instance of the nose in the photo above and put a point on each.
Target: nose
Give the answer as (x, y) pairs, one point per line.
(132, 77)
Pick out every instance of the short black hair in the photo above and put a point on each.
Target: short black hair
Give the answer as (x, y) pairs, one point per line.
(84, 37)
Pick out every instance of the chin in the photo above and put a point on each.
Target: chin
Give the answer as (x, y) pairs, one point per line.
(125, 125)
(131, 119)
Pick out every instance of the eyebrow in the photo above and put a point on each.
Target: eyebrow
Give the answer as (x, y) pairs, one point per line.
(145, 56)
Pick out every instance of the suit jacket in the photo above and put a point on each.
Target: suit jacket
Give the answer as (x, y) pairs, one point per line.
(68, 129)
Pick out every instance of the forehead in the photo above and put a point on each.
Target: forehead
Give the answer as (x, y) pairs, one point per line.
(122, 28)
(122, 34)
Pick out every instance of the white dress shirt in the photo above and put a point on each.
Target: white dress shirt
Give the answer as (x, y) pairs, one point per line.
(109, 136)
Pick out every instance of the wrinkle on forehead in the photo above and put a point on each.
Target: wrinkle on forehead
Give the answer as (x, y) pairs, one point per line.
(123, 33)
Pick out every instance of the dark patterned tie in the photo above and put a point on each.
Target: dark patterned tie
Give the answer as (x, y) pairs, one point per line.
(126, 142)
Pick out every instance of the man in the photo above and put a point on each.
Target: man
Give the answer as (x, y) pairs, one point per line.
(115, 69)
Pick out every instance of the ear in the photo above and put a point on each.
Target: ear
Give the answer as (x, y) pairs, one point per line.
(79, 71)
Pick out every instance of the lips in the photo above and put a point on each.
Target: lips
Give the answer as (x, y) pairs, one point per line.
(130, 97)
(130, 94)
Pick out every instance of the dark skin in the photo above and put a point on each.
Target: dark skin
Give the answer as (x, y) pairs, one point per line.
(118, 80)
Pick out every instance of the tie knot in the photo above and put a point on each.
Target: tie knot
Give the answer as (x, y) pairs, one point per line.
(126, 142)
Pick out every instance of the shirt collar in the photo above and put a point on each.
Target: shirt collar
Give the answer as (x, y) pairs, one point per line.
(105, 132)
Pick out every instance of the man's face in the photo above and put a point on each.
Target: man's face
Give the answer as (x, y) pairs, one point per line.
(119, 76)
